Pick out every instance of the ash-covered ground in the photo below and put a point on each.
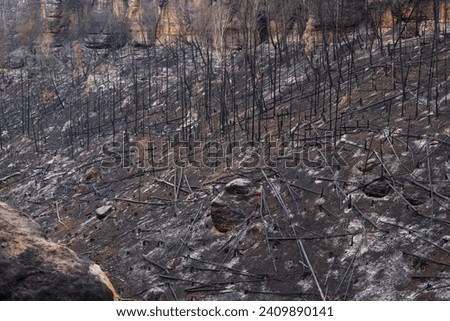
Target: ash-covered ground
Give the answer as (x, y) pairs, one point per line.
(341, 161)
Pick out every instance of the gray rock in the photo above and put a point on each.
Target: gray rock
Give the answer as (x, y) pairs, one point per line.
(238, 186)
(236, 203)
(103, 211)
(377, 189)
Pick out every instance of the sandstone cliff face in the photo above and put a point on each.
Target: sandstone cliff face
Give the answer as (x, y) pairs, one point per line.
(167, 20)
(329, 14)
(227, 22)
(56, 21)
(105, 16)
(142, 21)
(34, 268)
(416, 17)
(169, 25)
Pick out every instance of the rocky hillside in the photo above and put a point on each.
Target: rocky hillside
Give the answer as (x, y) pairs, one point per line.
(284, 153)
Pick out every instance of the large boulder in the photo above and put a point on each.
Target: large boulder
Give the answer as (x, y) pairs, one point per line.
(34, 268)
(239, 200)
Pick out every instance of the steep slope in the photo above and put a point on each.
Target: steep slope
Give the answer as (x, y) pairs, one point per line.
(340, 153)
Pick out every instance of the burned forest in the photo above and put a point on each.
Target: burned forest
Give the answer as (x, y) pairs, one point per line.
(230, 150)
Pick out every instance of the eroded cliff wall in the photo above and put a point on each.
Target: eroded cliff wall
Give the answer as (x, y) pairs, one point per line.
(234, 24)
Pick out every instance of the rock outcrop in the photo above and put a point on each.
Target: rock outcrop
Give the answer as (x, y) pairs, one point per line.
(414, 18)
(56, 21)
(34, 268)
(142, 19)
(229, 24)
